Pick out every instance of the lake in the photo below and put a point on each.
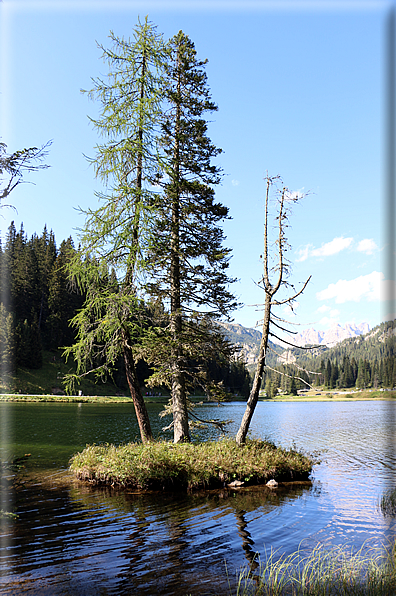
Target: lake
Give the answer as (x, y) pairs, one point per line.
(72, 539)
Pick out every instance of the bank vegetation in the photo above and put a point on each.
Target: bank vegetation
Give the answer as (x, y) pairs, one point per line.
(336, 571)
(188, 466)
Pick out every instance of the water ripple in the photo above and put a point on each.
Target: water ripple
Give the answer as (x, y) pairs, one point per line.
(72, 539)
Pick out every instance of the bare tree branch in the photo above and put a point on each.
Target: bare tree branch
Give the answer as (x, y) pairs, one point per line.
(218, 423)
(17, 164)
(290, 376)
(282, 328)
(289, 300)
(293, 345)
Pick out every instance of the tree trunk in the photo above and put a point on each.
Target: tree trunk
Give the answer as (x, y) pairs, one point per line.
(134, 387)
(179, 398)
(258, 377)
(180, 413)
(133, 382)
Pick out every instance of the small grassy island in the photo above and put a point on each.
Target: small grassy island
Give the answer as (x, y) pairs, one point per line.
(188, 466)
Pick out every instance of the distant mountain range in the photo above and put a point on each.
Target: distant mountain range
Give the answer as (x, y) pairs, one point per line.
(331, 337)
(249, 339)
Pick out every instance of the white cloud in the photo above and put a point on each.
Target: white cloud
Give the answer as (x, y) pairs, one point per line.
(330, 248)
(323, 308)
(325, 321)
(373, 287)
(235, 182)
(333, 247)
(367, 245)
(304, 252)
(332, 317)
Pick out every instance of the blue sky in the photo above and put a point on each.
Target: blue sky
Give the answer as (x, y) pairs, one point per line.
(301, 90)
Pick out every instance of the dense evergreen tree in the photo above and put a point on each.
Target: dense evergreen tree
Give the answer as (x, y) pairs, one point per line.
(188, 263)
(293, 386)
(334, 375)
(45, 249)
(22, 339)
(7, 341)
(29, 265)
(63, 300)
(232, 372)
(327, 377)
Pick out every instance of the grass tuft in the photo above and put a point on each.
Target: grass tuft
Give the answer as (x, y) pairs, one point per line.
(334, 572)
(170, 466)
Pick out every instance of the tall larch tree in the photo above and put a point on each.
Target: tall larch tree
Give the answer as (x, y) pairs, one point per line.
(115, 235)
(188, 261)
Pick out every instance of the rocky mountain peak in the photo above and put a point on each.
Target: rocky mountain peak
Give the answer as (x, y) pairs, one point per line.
(249, 339)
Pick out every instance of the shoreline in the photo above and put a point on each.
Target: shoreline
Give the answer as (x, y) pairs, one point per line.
(108, 399)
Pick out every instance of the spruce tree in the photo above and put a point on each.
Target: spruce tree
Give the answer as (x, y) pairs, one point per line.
(334, 375)
(24, 275)
(361, 375)
(293, 386)
(45, 250)
(328, 372)
(63, 299)
(188, 263)
(22, 344)
(7, 341)
(35, 345)
(348, 373)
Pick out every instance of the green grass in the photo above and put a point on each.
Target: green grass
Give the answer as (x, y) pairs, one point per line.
(48, 380)
(335, 395)
(334, 572)
(105, 399)
(186, 466)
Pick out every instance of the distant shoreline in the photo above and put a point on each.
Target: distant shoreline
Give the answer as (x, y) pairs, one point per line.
(334, 396)
(337, 395)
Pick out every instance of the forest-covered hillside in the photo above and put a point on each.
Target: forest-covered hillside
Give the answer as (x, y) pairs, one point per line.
(37, 303)
(366, 361)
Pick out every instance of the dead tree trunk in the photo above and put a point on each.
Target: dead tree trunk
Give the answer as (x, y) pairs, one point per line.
(281, 267)
(258, 377)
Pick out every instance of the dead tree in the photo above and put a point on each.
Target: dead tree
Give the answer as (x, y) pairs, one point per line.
(17, 164)
(280, 271)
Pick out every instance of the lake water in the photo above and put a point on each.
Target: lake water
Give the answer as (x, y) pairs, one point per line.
(72, 539)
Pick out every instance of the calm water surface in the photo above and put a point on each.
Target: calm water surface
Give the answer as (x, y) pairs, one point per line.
(70, 539)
